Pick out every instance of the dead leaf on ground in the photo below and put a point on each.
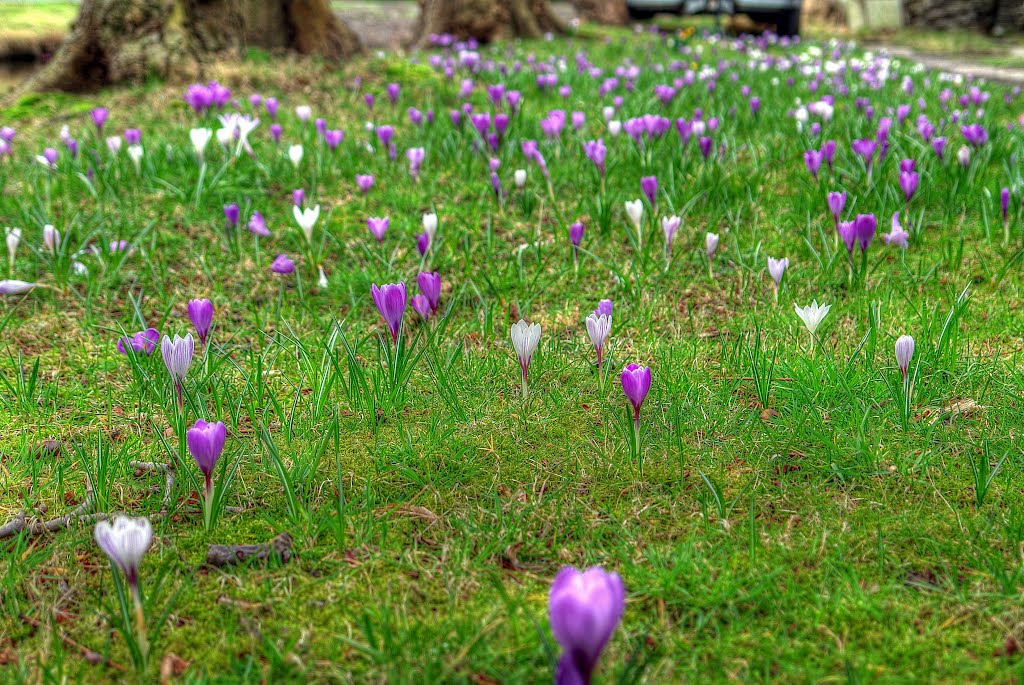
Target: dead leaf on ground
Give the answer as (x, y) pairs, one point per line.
(172, 666)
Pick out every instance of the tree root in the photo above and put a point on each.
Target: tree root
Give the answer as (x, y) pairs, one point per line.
(84, 513)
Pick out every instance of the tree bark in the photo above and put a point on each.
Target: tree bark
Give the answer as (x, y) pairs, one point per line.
(116, 41)
(486, 20)
(612, 12)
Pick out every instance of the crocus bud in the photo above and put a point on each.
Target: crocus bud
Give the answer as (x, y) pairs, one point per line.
(585, 609)
(295, 153)
(636, 383)
(378, 226)
(777, 269)
(177, 356)
(51, 238)
(904, 352)
(205, 444)
(576, 235)
(525, 339)
(670, 226)
(258, 225)
(430, 286)
(430, 225)
(649, 186)
(200, 313)
(711, 245)
(635, 211)
(520, 178)
(963, 155)
(390, 300)
(200, 139)
(125, 541)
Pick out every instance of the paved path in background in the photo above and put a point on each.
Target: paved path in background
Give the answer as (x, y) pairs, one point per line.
(955, 66)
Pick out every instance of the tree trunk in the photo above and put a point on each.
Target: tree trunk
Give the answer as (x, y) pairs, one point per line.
(115, 41)
(611, 12)
(486, 20)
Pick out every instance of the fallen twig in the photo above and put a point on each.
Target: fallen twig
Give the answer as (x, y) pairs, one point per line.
(225, 555)
(83, 513)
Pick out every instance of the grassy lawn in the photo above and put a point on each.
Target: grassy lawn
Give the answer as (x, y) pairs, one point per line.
(38, 16)
(793, 513)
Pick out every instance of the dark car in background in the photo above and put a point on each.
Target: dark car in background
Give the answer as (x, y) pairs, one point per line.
(785, 14)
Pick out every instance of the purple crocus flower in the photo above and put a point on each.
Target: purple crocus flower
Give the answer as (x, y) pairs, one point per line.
(378, 226)
(575, 236)
(430, 286)
(415, 155)
(275, 132)
(271, 105)
(333, 138)
(385, 134)
(99, 117)
(231, 213)
(133, 136)
(299, 197)
(975, 134)
(585, 608)
(864, 227)
(828, 151)
(393, 90)
(596, 152)
(390, 299)
(636, 382)
(813, 160)
(258, 225)
(865, 147)
(848, 232)
(365, 182)
(205, 444)
(282, 264)
(908, 183)
(604, 307)
(896, 236)
(143, 341)
(200, 313)
(421, 306)
(705, 146)
(422, 243)
(939, 145)
(649, 186)
(50, 157)
(836, 202)
(1004, 204)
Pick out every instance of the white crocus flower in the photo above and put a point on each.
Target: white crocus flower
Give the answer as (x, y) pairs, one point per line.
(295, 154)
(245, 127)
(51, 238)
(430, 225)
(812, 315)
(135, 152)
(200, 139)
(520, 177)
(13, 238)
(635, 211)
(306, 219)
(525, 339)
